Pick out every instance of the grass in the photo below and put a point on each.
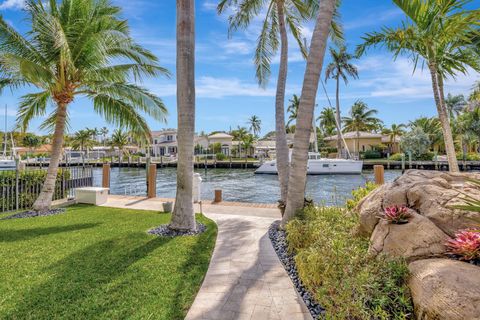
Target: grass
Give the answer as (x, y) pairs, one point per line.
(99, 263)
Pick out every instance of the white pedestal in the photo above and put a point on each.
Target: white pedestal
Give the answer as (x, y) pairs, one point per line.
(92, 195)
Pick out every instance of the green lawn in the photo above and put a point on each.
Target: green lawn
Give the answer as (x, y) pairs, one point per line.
(99, 263)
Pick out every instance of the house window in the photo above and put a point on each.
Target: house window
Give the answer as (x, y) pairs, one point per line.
(169, 138)
(155, 141)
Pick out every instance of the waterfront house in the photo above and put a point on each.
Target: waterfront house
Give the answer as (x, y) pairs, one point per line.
(164, 143)
(367, 141)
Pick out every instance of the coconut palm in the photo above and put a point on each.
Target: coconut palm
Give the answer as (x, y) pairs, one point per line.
(183, 216)
(470, 121)
(104, 131)
(119, 140)
(82, 140)
(474, 98)
(31, 141)
(327, 121)
(432, 127)
(443, 35)
(455, 105)
(255, 125)
(70, 50)
(247, 142)
(340, 68)
(292, 109)
(395, 131)
(276, 17)
(361, 118)
(298, 173)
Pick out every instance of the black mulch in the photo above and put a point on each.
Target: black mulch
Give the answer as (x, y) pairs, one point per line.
(164, 231)
(33, 214)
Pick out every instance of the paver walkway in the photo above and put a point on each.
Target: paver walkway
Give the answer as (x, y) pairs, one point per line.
(245, 279)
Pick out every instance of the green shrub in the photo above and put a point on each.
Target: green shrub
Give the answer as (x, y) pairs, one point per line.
(371, 154)
(329, 149)
(220, 156)
(359, 194)
(471, 156)
(396, 157)
(335, 266)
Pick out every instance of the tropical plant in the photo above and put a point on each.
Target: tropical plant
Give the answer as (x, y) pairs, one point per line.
(32, 141)
(474, 98)
(416, 143)
(183, 215)
(442, 34)
(340, 68)
(327, 121)
(298, 174)
(70, 50)
(395, 131)
(361, 118)
(455, 105)
(247, 143)
(255, 125)
(396, 214)
(360, 193)
(82, 140)
(119, 141)
(292, 110)
(465, 244)
(104, 132)
(432, 128)
(276, 17)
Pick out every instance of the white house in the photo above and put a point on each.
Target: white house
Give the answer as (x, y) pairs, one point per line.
(164, 142)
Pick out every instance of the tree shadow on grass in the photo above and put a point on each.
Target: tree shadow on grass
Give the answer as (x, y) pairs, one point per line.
(27, 234)
(84, 285)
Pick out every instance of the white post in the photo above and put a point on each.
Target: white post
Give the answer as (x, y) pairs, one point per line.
(197, 187)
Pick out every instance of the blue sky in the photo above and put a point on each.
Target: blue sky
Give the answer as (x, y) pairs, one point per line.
(227, 92)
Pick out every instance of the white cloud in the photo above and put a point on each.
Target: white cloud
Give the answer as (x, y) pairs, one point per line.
(237, 47)
(210, 5)
(12, 4)
(373, 19)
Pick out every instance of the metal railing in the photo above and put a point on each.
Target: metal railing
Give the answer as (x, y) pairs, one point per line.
(19, 188)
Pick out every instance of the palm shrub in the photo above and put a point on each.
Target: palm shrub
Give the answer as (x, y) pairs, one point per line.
(77, 48)
(335, 266)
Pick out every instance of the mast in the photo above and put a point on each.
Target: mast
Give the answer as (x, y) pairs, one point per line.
(5, 138)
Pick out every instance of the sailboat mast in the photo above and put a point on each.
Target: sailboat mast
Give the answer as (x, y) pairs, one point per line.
(5, 138)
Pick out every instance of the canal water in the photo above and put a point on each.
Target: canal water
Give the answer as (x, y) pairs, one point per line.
(240, 185)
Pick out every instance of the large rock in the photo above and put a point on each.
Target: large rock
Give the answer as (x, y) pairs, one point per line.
(445, 289)
(417, 239)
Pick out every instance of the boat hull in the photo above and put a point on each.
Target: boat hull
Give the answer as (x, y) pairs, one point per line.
(7, 165)
(319, 167)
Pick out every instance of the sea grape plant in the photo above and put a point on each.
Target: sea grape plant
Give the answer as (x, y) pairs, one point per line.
(465, 244)
(396, 214)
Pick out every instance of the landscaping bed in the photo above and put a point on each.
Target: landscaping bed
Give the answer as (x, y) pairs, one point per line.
(100, 263)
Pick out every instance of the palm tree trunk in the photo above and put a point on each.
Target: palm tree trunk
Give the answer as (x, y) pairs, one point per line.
(443, 116)
(298, 170)
(338, 122)
(183, 216)
(44, 200)
(283, 161)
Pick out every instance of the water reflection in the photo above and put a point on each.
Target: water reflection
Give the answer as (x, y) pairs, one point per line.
(240, 185)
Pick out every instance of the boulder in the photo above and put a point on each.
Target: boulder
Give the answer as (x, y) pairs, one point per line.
(445, 289)
(417, 239)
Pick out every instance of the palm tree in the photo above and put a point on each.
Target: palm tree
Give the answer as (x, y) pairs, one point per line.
(442, 33)
(395, 131)
(120, 141)
(276, 16)
(432, 127)
(327, 121)
(104, 131)
(70, 51)
(361, 119)
(455, 105)
(340, 67)
(474, 98)
(82, 140)
(255, 125)
(183, 216)
(292, 109)
(470, 121)
(247, 142)
(298, 173)
(31, 141)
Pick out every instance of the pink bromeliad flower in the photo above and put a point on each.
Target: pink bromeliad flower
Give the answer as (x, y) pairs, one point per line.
(396, 214)
(466, 244)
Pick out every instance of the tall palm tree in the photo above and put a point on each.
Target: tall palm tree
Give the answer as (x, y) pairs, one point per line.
(292, 109)
(395, 131)
(120, 141)
(474, 98)
(255, 125)
(69, 51)
(443, 34)
(183, 216)
(277, 15)
(82, 140)
(104, 131)
(455, 105)
(340, 67)
(361, 118)
(327, 121)
(298, 173)
(247, 142)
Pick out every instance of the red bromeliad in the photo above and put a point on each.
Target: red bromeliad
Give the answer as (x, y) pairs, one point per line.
(396, 214)
(466, 244)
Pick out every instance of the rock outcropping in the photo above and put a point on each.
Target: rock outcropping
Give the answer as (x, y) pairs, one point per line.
(441, 288)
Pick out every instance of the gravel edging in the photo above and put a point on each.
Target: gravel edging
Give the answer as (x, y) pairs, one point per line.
(279, 242)
(33, 214)
(165, 231)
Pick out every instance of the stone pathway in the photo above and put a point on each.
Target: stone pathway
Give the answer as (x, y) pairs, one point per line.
(245, 279)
